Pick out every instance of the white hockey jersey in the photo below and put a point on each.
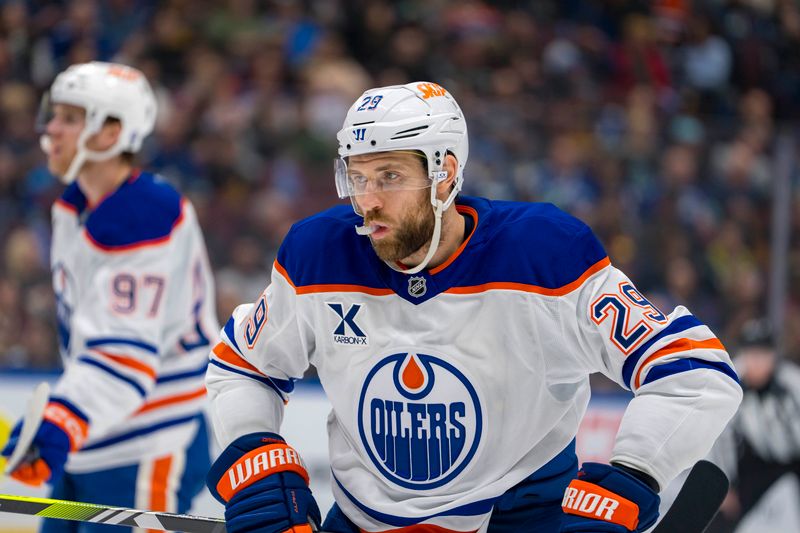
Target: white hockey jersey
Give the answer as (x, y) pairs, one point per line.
(451, 386)
(136, 317)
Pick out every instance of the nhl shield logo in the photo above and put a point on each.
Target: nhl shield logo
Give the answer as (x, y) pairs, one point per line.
(417, 286)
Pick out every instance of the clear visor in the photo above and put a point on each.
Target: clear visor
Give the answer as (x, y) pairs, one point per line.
(351, 183)
(45, 114)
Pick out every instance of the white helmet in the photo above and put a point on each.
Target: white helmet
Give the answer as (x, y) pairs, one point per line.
(105, 90)
(417, 116)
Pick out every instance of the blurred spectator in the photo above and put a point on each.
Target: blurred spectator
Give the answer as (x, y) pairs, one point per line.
(654, 121)
(707, 64)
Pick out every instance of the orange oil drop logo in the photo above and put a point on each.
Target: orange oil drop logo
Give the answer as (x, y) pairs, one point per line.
(413, 378)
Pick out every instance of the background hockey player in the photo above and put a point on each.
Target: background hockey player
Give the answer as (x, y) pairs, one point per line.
(454, 337)
(124, 424)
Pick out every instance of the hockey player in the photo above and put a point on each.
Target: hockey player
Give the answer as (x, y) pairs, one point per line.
(454, 337)
(124, 424)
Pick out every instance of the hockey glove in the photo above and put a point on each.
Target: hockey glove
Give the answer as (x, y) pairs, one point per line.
(606, 499)
(263, 484)
(63, 430)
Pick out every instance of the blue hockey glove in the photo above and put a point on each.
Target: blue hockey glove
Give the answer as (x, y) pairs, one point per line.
(263, 484)
(63, 429)
(606, 499)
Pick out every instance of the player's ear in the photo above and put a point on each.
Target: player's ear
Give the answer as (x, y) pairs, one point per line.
(109, 134)
(451, 167)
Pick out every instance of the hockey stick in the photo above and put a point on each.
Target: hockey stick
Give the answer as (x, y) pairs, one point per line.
(30, 424)
(697, 502)
(105, 514)
(692, 511)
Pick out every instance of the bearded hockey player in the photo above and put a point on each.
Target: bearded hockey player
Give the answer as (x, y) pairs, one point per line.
(454, 337)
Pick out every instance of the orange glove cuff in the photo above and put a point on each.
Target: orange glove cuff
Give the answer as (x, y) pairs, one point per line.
(75, 427)
(258, 464)
(593, 501)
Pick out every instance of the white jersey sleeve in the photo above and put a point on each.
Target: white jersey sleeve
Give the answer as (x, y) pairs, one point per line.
(263, 351)
(675, 415)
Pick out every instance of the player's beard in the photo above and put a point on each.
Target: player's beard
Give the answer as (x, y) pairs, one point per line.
(410, 234)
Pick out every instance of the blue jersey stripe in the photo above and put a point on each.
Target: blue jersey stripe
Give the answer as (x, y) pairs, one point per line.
(470, 509)
(100, 341)
(232, 335)
(684, 365)
(140, 431)
(183, 375)
(680, 324)
(280, 386)
(111, 371)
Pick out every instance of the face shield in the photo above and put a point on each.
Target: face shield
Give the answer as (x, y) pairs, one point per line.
(352, 183)
(45, 113)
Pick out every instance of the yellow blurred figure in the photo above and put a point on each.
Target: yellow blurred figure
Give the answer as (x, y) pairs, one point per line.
(5, 431)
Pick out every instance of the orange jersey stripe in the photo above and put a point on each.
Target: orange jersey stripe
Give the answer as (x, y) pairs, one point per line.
(679, 345)
(474, 214)
(169, 400)
(332, 287)
(474, 289)
(159, 485)
(511, 286)
(130, 362)
(64, 205)
(226, 353)
(310, 289)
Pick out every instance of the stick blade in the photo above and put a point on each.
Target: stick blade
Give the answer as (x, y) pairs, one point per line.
(697, 502)
(30, 424)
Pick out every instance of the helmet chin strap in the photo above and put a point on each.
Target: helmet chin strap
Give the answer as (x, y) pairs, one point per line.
(82, 155)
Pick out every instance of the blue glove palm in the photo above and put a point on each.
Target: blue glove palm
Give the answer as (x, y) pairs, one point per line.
(264, 486)
(606, 499)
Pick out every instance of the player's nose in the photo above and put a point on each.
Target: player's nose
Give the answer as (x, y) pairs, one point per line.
(369, 201)
(53, 126)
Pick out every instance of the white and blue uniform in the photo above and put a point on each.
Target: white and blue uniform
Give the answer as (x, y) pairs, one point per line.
(453, 386)
(135, 301)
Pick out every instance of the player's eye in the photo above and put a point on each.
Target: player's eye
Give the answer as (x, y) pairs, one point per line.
(72, 118)
(358, 180)
(391, 178)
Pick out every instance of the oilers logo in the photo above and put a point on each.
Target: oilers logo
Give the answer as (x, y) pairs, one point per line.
(419, 419)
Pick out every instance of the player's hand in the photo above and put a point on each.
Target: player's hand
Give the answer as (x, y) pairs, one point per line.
(263, 484)
(63, 429)
(604, 498)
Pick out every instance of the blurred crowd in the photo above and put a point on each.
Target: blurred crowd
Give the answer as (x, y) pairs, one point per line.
(657, 122)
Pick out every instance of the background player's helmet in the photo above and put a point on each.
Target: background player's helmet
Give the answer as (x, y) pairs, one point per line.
(105, 90)
(417, 116)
